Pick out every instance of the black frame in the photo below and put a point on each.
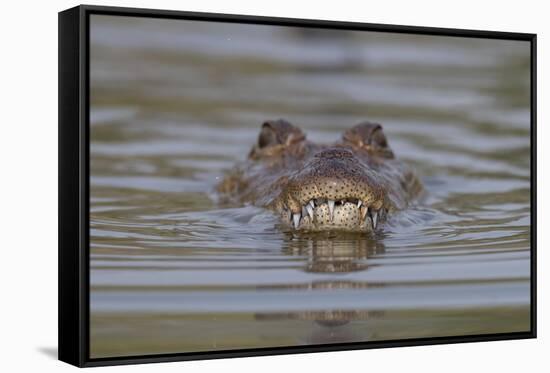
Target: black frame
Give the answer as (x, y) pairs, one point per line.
(73, 229)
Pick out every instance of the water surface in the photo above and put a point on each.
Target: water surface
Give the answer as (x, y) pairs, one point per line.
(175, 104)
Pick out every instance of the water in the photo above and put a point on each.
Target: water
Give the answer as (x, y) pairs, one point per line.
(175, 104)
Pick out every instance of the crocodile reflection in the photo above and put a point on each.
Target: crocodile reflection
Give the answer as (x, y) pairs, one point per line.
(331, 254)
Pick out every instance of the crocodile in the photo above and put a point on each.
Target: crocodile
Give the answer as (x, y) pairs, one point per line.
(353, 184)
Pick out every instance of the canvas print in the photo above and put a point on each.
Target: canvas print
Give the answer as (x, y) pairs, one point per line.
(262, 186)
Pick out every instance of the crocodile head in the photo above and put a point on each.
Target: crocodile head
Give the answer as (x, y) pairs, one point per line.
(352, 184)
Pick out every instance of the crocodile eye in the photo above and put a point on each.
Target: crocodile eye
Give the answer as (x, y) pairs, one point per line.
(378, 139)
(267, 137)
(275, 137)
(279, 132)
(369, 136)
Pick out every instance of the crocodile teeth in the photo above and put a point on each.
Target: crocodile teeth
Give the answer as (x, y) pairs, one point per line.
(331, 208)
(309, 210)
(304, 211)
(359, 203)
(364, 212)
(312, 204)
(296, 219)
(374, 219)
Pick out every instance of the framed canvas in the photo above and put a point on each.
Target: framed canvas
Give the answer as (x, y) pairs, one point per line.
(234, 186)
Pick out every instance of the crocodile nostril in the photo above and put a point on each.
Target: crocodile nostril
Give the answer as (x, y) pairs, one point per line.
(334, 153)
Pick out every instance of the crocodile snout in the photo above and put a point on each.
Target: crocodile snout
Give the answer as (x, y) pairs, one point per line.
(334, 189)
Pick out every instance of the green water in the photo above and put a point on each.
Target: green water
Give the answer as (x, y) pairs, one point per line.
(174, 104)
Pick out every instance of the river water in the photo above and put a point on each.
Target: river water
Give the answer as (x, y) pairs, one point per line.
(175, 104)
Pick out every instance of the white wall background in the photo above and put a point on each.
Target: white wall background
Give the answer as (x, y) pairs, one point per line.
(28, 184)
